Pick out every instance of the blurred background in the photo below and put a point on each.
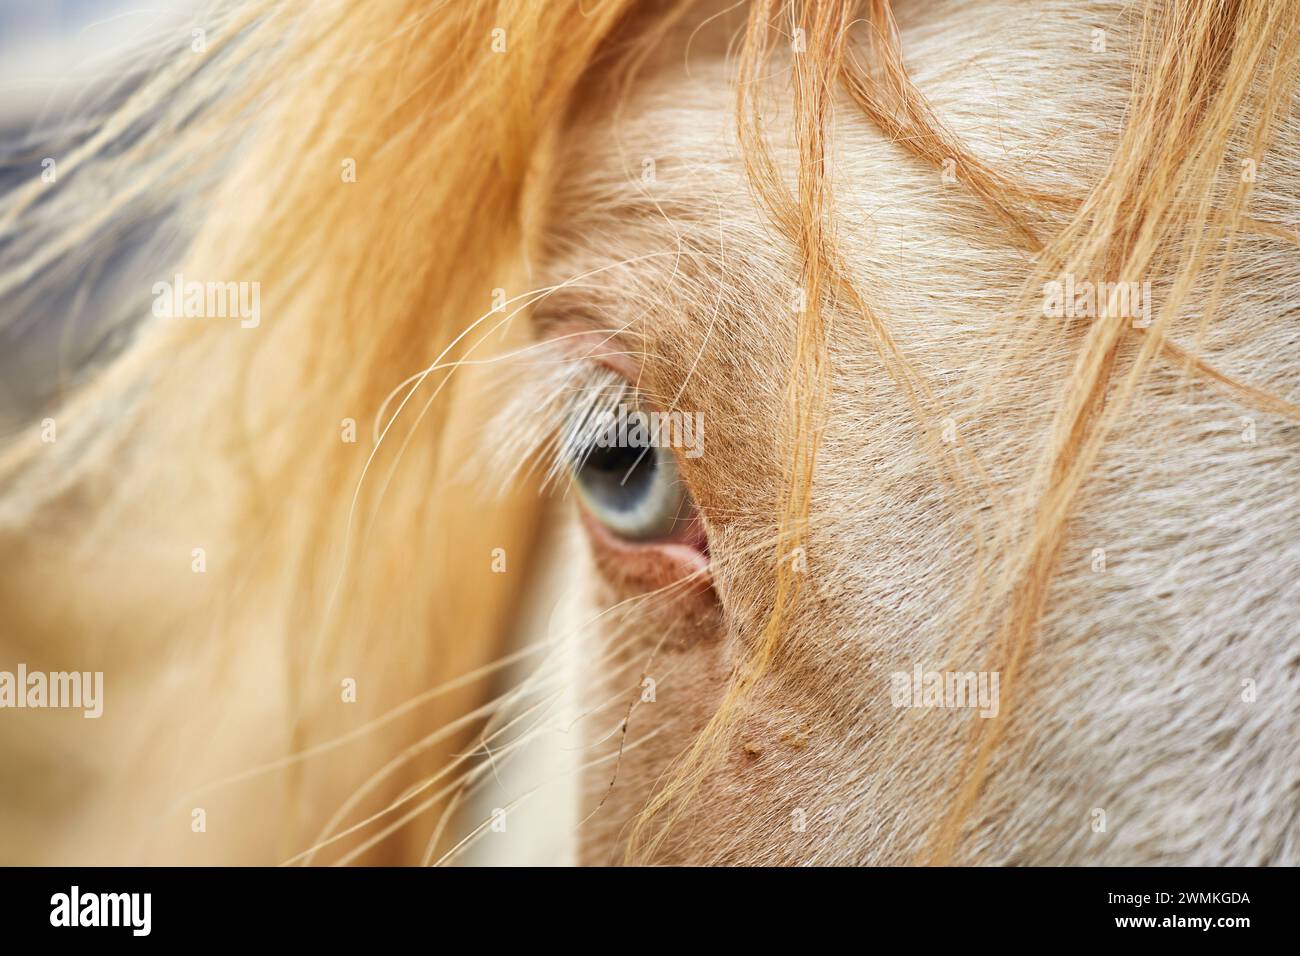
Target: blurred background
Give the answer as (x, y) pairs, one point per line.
(63, 65)
(50, 49)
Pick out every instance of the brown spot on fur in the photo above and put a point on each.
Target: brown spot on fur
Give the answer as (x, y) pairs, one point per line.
(798, 738)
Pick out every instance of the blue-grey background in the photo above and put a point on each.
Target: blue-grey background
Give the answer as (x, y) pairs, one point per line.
(64, 64)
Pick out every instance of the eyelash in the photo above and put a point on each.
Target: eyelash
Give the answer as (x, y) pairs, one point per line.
(533, 431)
(595, 391)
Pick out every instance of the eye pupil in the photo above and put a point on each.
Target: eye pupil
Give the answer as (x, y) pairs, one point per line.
(621, 460)
(618, 478)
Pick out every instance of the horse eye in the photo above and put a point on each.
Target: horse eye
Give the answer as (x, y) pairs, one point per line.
(627, 481)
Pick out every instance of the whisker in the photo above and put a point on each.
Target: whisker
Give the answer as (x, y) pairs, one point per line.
(479, 830)
(420, 746)
(358, 732)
